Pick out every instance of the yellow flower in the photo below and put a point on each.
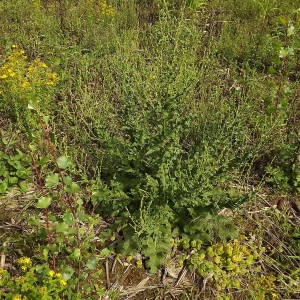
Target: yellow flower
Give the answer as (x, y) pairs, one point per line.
(62, 282)
(24, 263)
(51, 273)
(17, 297)
(20, 279)
(58, 275)
(2, 271)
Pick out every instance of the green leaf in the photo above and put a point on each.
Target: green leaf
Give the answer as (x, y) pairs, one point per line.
(63, 162)
(73, 188)
(76, 253)
(46, 119)
(52, 180)
(92, 263)
(62, 227)
(4, 141)
(271, 70)
(68, 180)
(43, 161)
(284, 52)
(23, 186)
(67, 272)
(105, 252)
(44, 202)
(3, 186)
(31, 106)
(68, 218)
(291, 30)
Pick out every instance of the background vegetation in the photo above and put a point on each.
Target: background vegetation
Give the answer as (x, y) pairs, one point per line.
(154, 133)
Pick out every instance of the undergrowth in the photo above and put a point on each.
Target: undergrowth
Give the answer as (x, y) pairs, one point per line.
(156, 116)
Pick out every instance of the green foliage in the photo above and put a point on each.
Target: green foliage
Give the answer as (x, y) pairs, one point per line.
(164, 165)
(33, 282)
(24, 83)
(15, 167)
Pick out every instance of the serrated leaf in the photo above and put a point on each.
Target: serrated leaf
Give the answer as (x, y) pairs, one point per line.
(44, 202)
(63, 162)
(68, 218)
(52, 180)
(283, 52)
(92, 263)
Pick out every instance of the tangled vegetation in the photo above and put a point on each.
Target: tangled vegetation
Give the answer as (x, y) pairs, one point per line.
(159, 135)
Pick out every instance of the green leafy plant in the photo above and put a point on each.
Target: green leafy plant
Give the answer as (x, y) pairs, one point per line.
(162, 168)
(15, 169)
(67, 241)
(24, 82)
(32, 282)
(284, 170)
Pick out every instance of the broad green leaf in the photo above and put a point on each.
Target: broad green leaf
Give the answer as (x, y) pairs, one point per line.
(63, 162)
(67, 272)
(105, 252)
(73, 188)
(44, 202)
(23, 186)
(13, 180)
(291, 30)
(45, 253)
(68, 180)
(68, 218)
(92, 263)
(76, 253)
(52, 180)
(43, 161)
(3, 186)
(62, 227)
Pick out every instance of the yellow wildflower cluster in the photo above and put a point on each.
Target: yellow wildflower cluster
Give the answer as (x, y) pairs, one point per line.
(2, 273)
(106, 9)
(18, 74)
(103, 8)
(24, 263)
(17, 297)
(52, 274)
